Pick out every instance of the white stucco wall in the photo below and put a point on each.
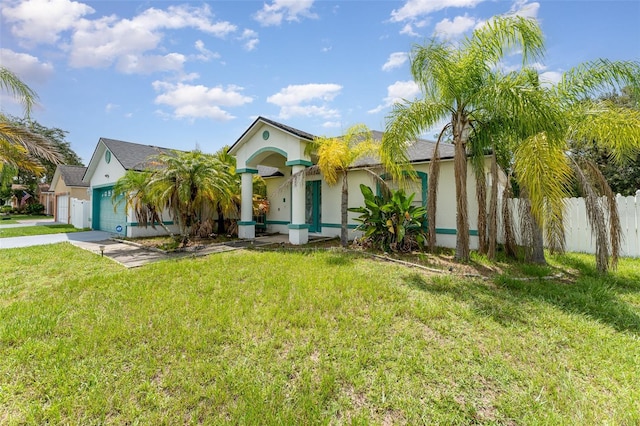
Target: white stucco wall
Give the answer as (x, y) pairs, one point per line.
(255, 149)
(445, 216)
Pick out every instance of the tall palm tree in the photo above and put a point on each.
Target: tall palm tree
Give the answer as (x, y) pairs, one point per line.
(19, 146)
(183, 183)
(461, 85)
(335, 156)
(543, 168)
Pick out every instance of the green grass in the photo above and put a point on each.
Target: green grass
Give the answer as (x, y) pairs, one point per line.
(250, 337)
(23, 231)
(14, 218)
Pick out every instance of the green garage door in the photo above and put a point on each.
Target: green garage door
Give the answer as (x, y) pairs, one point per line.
(104, 216)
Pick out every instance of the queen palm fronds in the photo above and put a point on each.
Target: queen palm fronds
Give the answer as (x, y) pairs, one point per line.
(18, 89)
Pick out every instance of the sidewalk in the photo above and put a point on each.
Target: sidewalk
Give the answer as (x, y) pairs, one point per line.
(38, 240)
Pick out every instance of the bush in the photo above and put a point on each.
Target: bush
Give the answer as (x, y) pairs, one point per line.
(5, 209)
(35, 209)
(391, 224)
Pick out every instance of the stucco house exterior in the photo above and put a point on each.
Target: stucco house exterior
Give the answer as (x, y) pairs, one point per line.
(109, 162)
(312, 207)
(66, 184)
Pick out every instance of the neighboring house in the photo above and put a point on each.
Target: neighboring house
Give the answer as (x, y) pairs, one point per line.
(47, 198)
(312, 206)
(21, 200)
(109, 162)
(66, 184)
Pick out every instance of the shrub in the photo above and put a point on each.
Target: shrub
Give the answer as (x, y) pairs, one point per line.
(391, 224)
(35, 209)
(5, 209)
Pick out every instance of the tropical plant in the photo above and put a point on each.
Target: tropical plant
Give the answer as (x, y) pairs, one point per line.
(335, 155)
(20, 147)
(461, 83)
(133, 189)
(544, 170)
(391, 223)
(186, 183)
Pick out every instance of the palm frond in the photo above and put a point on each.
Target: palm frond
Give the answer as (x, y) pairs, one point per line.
(18, 89)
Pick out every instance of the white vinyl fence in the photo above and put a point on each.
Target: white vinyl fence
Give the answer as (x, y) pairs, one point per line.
(80, 213)
(578, 232)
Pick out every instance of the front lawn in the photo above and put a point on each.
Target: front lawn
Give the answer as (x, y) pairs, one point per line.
(255, 337)
(24, 231)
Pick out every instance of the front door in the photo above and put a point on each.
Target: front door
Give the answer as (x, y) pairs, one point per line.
(313, 198)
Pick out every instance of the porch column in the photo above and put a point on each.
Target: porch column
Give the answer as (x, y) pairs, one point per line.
(298, 229)
(246, 226)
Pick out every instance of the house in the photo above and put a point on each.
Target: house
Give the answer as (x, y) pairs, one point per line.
(47, 198)
(67, 184)
(109, 162)
(312, 206)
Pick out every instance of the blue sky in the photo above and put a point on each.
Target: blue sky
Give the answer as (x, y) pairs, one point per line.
(186, 75)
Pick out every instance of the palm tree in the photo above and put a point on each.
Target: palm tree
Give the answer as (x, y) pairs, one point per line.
(543, 168)
(133, 189)
(19, 146)
(184, 183)
(335, 156)
(461, 85)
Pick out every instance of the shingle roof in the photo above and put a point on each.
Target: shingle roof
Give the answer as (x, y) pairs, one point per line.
(288, 129)
(132, 156)
(420, 150)
(72, 175)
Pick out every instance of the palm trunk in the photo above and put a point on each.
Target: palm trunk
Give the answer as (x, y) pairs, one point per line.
(432, 197)
(493, 209)
(537, 254)
(460, 171)
(221, 230)
(481, 195)
(344, 204)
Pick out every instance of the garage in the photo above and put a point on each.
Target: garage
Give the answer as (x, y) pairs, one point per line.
(105, 218)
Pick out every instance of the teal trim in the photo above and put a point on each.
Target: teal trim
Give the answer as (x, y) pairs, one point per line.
(337, 225)
(313, 205)
(246, 170)
(265, 149)
(247, 223)
(298, 226)
(104, 185)
(423, 180)
(277, 222)
(450, 231)
(305, 163)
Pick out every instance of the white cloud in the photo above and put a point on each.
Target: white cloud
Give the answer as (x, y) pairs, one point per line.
(42, 21)
(415, 8)
(306, 100)
(550, 78)
(198, 101)
(147, 64)
(110, 107)
(27, 67)
(331, 124)
(396, 93)
(525, 9)
(133, 45)
(396, 60)
(289, 10)
(408, 28)
(250, 38)
(447, 29)
(205, 54)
